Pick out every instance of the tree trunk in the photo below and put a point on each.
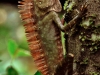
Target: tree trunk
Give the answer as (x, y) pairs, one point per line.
(83, 41)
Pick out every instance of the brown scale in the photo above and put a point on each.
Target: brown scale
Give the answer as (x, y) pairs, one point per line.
(60, 48)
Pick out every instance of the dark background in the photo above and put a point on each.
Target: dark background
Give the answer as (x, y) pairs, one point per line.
(15, 2)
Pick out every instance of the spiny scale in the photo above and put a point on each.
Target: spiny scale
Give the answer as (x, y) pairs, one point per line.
(27, 15)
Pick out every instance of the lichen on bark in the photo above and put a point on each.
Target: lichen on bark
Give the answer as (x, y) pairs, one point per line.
(83, 40)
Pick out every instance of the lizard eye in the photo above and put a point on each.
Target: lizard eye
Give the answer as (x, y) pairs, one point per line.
(40, 2)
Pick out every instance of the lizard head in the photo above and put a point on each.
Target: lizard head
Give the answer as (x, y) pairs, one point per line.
(50, 5)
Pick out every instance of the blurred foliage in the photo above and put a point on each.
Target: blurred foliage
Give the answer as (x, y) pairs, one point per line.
(14, 51)
(38, 73)
(15, 58)
(0, 60)
(11, 71)
(12, 47)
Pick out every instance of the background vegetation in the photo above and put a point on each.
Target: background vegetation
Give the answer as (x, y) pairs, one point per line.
(15, 58)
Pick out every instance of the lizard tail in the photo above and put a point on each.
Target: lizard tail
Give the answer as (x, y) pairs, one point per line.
(28, 16)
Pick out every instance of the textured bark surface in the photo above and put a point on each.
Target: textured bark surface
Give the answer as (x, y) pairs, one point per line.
(84, 40)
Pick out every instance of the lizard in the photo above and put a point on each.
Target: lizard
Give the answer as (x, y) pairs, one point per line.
(43, 31)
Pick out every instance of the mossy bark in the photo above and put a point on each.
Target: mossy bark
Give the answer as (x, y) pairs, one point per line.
(83, 40)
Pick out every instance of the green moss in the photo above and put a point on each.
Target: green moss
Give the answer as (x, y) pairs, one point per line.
(94, 73)
(94, 15)
(95, 37)
(83, 39)
(91, 49)
(68, 6)
(80, 36)
(87, 23)
(82, 50)
(85, 61)
(97, 65)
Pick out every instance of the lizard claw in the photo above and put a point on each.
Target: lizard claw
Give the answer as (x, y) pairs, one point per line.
(84, 6)
(83, 9)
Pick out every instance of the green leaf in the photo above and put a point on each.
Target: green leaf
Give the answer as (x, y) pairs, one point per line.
(0, 60)
(11, 71)
(12, 47)
(22, 52)
(38, 73)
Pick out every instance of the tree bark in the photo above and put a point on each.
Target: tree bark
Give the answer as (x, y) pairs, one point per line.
(83, 41)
